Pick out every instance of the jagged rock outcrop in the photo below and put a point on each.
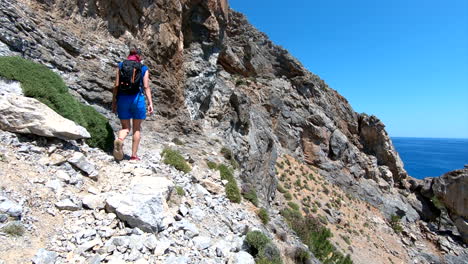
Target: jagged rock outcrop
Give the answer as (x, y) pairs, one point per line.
(450, 189)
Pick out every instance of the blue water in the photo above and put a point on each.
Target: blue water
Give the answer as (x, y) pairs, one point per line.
(431, 157)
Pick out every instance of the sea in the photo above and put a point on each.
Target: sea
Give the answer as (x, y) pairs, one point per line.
(431, 157)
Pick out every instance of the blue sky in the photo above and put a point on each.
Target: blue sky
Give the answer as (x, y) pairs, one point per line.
(405, 61)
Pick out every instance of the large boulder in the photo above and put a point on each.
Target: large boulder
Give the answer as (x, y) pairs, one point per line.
(21, 114)
(144, 205)
(450, 188)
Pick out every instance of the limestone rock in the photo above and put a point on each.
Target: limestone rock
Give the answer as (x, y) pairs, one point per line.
(144, 205)
(94, 202)
(27, 115)
(241, 257)
(9, 207)
(450, 188)
(81, 162)
(68, 205)
(44, 257)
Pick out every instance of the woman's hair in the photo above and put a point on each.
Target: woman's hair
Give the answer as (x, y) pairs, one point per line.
(135, 51)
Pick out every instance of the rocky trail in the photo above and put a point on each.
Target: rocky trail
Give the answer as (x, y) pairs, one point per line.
(100, 210)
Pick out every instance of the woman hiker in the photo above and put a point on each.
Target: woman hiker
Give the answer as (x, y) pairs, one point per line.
(130, 89)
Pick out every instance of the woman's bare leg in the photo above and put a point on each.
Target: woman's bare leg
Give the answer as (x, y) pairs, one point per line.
(123, 133)
(136, 136)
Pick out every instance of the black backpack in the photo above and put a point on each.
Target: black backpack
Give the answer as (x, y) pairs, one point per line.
(130, 77)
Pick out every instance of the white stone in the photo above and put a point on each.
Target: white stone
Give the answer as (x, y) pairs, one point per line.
(202, 242)
(44, 257)
(144, 205)
(67, 204)
(21, 114)
(242, 257)
(9, 207)
(94, 202)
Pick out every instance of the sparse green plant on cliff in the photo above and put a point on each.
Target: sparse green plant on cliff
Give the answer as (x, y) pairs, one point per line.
(280, 188)
(225, 172)
(41, 83)
(263, 215)
(251, 195)
(287, 196)
(280, 165)
(175, 159)
(227, 153)
(212, 165)
(177, 141)
(262, 248)
(180, 191)
(395, 223)
(437, 203)
(317, 237)
(232, 191)
(293, 205)
(13, 229)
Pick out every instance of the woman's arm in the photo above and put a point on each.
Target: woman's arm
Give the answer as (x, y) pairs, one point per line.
(148, 92)
(114, 92)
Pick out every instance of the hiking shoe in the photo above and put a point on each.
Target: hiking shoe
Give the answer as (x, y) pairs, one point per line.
(134, 158)
(118, 149)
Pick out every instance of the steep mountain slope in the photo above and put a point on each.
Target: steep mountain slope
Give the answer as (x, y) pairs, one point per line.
(212, 71)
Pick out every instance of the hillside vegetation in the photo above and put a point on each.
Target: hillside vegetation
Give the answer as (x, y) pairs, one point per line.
(39, 82)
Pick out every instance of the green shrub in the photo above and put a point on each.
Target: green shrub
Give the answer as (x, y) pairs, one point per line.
(263, 215)
(262, 248)
(180, 191)
(395, 223)
(256, 240)
(437, 203)
(269, 254)
(280, 188)
(301, 255)
(227, 153)
(317, 237)
(346, 239)
(293, 205)
(251, 195)
(232, 192)
(212, 165)
(41, 83)
(226, 172)
(13, 229)
(177, 141)
(173, 158)
(288, 196)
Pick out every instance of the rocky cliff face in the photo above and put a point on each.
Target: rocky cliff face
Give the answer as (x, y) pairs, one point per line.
(212, 71)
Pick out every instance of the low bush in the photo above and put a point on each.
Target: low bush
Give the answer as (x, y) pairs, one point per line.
(175, 159)
(301, 255)
(395, 223)
(280, 188)
(262, 248)
(212, 165)
(13, 229)
(288, 196)
(180, 191)
(316, 236)
(263, 215)
(293, 205)
(226, 172)
(227, 153)
(177, 141)
(232, 192)
(251, 195)
(39, 82)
